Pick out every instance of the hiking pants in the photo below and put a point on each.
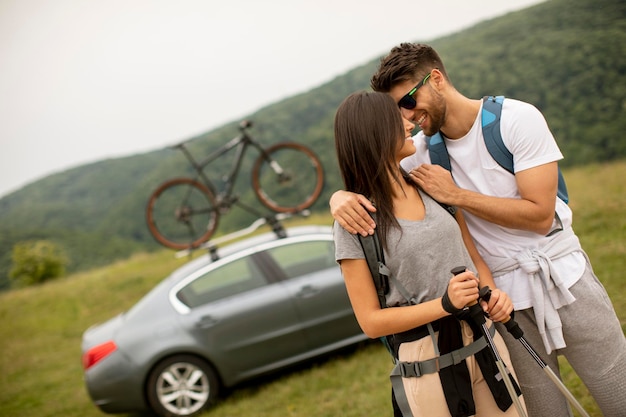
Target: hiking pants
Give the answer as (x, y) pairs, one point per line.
(596, 350)
(425, 393)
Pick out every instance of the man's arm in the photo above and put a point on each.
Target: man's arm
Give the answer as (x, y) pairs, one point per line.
(534, 211)
(350, 210)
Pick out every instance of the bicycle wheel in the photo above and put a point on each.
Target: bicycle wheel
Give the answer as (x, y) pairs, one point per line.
(288, 177)
(182, 214)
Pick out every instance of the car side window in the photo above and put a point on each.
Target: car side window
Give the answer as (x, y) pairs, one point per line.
(230, 279)
(304, 258)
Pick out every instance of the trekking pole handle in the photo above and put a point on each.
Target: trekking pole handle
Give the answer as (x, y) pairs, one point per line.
(459, 270)
(511, 325)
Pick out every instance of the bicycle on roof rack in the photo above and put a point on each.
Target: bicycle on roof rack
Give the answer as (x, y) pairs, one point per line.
(183, 213)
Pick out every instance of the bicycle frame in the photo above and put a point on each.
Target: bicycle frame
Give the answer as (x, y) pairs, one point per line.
(241, 142)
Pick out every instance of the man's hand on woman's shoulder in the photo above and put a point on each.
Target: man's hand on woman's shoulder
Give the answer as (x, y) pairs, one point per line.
(350, 210)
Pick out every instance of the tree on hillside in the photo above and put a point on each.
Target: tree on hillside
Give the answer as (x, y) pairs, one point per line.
(36, 261)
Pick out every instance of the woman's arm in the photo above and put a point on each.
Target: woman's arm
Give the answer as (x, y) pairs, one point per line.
(377, 322)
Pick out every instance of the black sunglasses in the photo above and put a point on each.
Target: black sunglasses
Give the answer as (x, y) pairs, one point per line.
(407, 101)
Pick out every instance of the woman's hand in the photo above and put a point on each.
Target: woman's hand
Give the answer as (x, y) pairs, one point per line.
(499, 306)
(463, 289)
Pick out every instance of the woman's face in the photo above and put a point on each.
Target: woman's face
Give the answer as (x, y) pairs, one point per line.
(407, 147)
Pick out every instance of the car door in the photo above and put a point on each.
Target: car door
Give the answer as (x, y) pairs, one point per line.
(314, 280)
(246, 323)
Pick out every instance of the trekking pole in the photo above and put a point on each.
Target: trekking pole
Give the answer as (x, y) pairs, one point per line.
(478, 316)
(513, 328)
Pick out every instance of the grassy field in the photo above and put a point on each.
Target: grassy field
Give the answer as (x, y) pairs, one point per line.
(41, 328)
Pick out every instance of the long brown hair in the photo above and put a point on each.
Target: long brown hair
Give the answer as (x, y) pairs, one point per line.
(368, 132)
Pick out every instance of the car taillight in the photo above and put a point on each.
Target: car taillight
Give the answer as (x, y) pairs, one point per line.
(97, 353)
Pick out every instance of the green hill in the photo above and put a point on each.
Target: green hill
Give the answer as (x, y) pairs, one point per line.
(568, 57)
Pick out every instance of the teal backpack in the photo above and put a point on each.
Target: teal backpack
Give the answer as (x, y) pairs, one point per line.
(490, 117)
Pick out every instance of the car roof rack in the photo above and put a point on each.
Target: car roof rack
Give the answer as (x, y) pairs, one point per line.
(273, 220)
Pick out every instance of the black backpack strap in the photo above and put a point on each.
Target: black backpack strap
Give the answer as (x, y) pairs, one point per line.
(380, 273)
(376, 262)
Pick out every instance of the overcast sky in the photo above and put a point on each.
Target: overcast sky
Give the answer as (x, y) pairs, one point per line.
(85, 80)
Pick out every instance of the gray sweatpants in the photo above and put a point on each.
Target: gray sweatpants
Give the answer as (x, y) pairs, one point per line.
(596, 349)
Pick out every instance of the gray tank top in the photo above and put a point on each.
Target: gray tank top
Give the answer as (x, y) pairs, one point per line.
(420, 255)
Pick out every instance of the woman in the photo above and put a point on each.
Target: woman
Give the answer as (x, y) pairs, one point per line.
(422, 243)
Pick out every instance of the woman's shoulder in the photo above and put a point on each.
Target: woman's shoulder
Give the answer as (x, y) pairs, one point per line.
(347, 245)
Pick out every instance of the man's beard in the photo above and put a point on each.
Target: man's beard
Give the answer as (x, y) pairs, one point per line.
(437, 115)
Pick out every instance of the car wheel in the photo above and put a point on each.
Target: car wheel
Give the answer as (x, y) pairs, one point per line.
(182, 385)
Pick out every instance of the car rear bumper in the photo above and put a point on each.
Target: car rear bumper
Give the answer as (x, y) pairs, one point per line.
(116, 386)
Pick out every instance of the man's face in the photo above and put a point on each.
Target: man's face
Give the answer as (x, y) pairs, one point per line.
(429, 110)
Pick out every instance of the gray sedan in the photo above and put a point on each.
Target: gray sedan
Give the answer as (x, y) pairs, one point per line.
(265, 303)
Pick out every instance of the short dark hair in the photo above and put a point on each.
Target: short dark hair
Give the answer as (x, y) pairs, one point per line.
(406, 62)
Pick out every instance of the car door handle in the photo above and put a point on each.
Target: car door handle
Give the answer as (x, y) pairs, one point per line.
(307, 291)
(206, 321)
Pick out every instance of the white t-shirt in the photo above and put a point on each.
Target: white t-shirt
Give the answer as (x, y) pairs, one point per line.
(527, 136)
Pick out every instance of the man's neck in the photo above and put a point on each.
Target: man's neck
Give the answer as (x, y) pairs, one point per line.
(461, 112)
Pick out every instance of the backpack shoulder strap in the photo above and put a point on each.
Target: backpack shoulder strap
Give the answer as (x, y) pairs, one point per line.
(376, 263)
(439, 156)
(380, 274)
(490, 120)
(437, 151)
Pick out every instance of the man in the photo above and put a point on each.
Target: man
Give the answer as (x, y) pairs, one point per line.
(522, 230)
